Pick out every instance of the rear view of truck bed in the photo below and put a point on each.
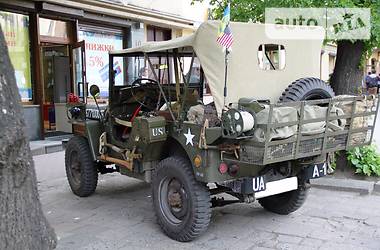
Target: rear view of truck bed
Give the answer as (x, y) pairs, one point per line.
(318, 127)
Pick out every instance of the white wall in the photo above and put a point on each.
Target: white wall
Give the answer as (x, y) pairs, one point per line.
(327, 61)
(183, 8)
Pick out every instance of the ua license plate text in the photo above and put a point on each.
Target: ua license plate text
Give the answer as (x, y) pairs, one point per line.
(259, 184)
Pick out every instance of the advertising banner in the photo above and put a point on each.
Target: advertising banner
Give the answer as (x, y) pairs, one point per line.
(16, 31)
(97, 63)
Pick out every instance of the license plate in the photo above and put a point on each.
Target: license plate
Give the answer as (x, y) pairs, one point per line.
(316, 171)
(259, 184)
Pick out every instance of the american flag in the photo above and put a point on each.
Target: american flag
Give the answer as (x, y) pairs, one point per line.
(225, 37)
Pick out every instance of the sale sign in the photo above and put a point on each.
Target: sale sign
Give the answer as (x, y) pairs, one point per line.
(97, 63)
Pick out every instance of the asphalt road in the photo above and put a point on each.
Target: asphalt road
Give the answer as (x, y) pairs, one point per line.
(120, 216)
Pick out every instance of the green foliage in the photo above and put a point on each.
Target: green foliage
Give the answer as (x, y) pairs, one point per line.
(253, 10)
(365, 160)
(332, 159)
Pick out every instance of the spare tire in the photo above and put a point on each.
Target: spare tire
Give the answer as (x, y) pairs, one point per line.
(307, 89)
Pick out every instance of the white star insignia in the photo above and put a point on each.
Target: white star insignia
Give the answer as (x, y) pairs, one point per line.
(189, 137)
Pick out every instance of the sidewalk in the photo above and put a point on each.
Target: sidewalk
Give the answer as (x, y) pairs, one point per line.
(347, 184)
(120, 215)
(49, 145)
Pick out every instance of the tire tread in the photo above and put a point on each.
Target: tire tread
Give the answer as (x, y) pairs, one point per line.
(202, 212)
(301, 87)
(89, 177)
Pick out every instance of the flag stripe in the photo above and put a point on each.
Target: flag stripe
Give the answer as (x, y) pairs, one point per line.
(225, 40)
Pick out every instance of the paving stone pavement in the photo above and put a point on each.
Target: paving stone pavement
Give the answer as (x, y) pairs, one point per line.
(120, 216)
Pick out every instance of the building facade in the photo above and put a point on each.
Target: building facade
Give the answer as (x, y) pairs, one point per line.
(328, 58)
(373, 62)
(61, 47)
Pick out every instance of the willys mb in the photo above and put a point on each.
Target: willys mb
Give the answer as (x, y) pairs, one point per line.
(169, 123)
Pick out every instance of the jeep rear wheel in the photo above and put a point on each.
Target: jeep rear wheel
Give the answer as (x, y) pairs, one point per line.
(81, 170)
(286, 203)
(182, 205)
(300, 90)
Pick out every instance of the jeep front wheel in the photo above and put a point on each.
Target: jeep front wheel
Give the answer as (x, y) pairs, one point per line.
(81, 170)
(182, 205)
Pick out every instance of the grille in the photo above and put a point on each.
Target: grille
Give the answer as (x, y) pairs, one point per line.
(311, 146)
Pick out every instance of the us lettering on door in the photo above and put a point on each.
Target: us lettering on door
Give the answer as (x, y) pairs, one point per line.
(157, 131)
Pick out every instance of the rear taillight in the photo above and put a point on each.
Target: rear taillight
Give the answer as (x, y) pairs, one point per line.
(233, 169)
(223, 168)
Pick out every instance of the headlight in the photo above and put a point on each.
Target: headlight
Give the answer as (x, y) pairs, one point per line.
(75, 112)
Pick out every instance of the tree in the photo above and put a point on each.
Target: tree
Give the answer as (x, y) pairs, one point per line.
(22, 222)
(348, 72)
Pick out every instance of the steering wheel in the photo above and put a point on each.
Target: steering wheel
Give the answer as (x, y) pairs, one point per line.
(139, 82)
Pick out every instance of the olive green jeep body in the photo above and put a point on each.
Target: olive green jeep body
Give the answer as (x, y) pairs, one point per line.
(158, 128)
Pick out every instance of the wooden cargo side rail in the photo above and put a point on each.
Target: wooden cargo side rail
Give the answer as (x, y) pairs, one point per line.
(299, 138)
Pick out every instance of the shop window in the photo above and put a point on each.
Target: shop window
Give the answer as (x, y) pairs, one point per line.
(51, 30)
(271, 57)
(158, 34)
(16, 31)
(98, 44)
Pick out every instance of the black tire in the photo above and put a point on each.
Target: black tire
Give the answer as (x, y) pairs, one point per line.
(81, 170)
(307, 89)
(286, 203)
(190, 214)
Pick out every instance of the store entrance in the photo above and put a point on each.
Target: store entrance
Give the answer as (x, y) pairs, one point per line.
(56, 75)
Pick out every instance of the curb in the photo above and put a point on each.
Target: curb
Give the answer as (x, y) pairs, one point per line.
(48, 146)
(350, 185)
(45, 149)
(377, 187)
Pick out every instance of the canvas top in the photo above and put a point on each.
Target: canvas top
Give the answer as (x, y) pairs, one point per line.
(245, 77)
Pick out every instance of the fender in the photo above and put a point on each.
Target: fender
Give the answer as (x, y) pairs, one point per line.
(185, 143)
(93, 131)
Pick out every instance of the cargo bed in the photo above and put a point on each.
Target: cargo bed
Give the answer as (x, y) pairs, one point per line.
(360, 114)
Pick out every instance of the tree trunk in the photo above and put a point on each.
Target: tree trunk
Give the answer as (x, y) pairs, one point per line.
(347, 79)
(348, 75)
(22, 222)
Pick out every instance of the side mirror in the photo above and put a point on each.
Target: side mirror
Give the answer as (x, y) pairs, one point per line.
(94, 90)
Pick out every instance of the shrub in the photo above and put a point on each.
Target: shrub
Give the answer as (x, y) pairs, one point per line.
(365, 160)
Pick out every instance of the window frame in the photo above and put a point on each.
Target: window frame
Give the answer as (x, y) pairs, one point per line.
(264, 57)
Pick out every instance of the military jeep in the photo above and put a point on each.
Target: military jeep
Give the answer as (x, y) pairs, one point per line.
(171, 121)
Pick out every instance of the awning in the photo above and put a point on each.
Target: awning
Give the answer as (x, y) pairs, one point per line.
(126, 12)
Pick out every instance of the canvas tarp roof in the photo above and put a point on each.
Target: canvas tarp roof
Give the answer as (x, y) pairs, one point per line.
(245, 78)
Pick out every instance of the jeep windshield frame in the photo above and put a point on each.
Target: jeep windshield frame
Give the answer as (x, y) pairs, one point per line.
(176, 63)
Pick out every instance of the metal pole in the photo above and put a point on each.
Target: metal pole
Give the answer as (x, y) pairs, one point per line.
(225, 76)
